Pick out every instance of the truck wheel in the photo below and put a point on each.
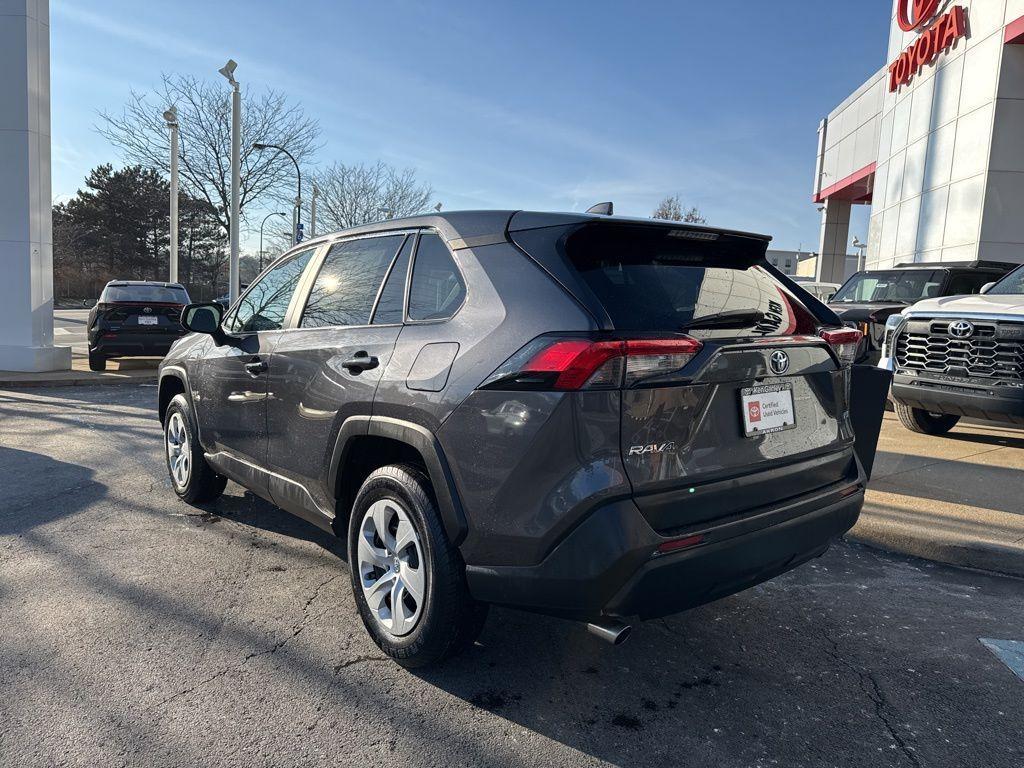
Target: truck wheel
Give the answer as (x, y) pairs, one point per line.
(192, 478)
(925, 422)
(409, 582)
(97, 362)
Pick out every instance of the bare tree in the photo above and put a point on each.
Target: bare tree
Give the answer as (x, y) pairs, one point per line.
(670, 209)
(204, 112)
(351, 195)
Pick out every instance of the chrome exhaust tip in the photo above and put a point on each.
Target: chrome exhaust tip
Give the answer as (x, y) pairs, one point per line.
(614, 632)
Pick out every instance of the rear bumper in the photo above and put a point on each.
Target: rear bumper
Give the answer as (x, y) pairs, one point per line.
(606, 565)
(127, 344)
(995, 403)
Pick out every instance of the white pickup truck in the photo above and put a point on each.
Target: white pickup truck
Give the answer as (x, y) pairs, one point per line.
(959, 356)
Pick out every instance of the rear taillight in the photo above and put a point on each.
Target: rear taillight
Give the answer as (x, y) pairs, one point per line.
(578, 363)
(844, 343)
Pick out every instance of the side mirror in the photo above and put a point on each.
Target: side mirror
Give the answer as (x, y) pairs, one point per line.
(986, 287)
(203, 318)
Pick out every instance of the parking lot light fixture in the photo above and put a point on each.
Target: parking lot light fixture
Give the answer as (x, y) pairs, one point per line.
(171, 116)
(228, 70)
(297, 223)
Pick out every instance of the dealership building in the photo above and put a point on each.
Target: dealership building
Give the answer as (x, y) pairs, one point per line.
(933, 142)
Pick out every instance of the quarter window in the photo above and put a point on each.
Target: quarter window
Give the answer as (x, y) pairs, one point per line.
(348, 282)
(437, 290)
(264, 306)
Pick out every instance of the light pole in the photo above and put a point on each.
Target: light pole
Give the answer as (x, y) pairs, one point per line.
(261, 235)
(228, 70)
(297, 223)
(312, 211)
(171, 116)
(861, 248)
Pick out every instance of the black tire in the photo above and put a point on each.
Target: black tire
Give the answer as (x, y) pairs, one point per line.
(450, 620)
(924, 422)
(97, 362)
(202, 484)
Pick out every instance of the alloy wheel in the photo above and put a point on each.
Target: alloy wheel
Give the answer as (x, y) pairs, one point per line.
(179, 457)
(392, 570)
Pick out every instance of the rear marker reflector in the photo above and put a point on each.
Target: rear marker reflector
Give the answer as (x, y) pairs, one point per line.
(677, 544)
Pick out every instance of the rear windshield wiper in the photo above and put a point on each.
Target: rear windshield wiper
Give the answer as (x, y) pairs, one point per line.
(734, 319)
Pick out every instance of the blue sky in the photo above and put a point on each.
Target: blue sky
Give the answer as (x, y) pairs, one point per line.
(540, 105)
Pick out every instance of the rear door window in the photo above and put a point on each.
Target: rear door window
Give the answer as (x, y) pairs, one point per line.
(437, 289)
(649, 279)
(391, 304)
(349, 280)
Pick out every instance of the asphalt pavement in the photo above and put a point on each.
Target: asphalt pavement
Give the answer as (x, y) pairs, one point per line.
(138, 631)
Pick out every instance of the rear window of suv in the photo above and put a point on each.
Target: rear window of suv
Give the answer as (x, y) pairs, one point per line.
(709, 286)
(153, 294)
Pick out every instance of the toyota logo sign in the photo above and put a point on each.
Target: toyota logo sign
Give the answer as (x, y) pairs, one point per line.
(912, 14)
(779, 362)
(961, 329)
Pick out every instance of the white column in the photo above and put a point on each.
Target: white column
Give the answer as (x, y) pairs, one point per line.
(26, 233)
(835, 235)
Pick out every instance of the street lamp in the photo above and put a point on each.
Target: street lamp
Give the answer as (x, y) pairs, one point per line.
(861, 247)
(261, 235)
(171, 116)
(228, 70)
(297, 223)
(312, 210)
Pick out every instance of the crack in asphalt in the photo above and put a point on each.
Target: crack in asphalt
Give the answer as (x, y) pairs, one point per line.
(297, 629)
(877, 696)
(358, 660)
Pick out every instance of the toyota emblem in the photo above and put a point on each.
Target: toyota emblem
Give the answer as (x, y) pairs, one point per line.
(147, 310)
(911, 14)
(779, 362)
(961, 329)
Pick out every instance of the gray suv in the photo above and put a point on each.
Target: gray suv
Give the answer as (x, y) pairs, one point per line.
(591, 417)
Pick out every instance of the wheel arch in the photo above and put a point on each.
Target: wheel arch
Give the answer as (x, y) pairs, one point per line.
(173, 382)
(366, 443)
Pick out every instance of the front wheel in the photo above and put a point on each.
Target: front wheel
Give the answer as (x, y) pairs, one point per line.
(924, 422)
(408, 580)
(192, 478)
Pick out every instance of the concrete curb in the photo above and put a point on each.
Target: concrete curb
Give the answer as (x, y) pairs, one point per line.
(1006, 557)
(79, 381)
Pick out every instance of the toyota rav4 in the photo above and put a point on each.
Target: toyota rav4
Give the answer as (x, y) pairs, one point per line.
(591, 417)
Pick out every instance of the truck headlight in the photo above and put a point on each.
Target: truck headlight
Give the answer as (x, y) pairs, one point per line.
(892, 324)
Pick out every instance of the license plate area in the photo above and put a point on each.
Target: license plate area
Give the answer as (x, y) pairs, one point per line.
(148, 320)
(767, 409)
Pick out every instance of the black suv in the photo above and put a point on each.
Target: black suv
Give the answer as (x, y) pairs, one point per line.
(868, 299)
(590, 417)
(135, 318)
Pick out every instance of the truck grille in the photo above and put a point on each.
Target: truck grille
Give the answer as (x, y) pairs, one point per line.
(994, 351)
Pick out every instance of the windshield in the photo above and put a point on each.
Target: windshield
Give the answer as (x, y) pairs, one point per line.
(154, 294)
(1011, 285)
(904, 286)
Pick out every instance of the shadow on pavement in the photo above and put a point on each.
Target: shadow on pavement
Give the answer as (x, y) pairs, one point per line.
(46, 490)
(955, 481)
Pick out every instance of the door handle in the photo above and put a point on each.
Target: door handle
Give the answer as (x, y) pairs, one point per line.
(256, 367)
(359, 363)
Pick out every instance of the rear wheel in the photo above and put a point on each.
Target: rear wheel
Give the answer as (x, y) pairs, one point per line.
(408, 580)
(925, 422)
(97, 362)
(191, 477)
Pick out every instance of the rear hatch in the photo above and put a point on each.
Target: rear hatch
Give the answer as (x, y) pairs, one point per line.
(142, 308)
(731, 399)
